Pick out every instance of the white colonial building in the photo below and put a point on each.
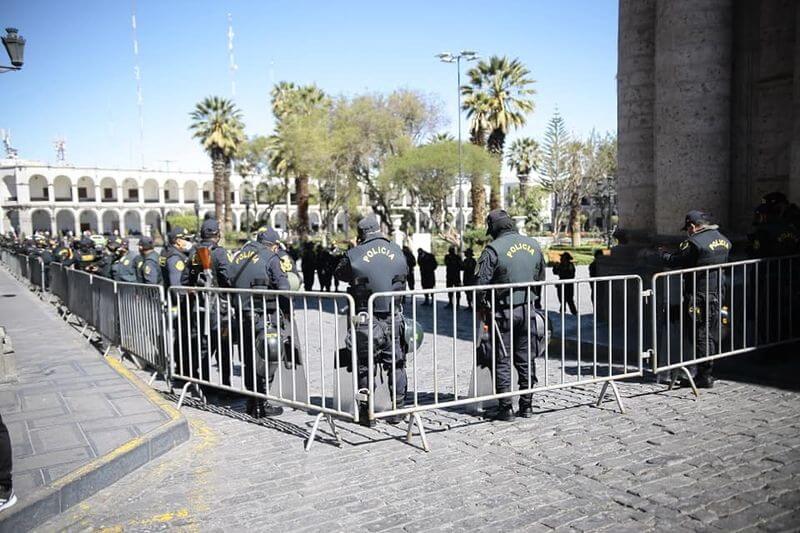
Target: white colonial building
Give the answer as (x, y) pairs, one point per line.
(37, 196)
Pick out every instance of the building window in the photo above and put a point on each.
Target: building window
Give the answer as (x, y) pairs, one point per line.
(133, 194)
(82, 195)
(166, 195)
(206, 196)
(108, 193)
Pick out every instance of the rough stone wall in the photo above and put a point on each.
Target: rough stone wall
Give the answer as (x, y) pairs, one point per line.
(692, 111)
(635, 108)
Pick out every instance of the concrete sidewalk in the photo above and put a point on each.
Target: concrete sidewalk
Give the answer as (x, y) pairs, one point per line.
(77, 422)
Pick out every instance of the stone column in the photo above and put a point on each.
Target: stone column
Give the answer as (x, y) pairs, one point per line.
(692, 110)
(53, 221)
(635, 112)
(794, 172)
(25, 222)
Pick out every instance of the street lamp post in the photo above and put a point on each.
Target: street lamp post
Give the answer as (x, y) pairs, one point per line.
(197, 213)
(448, 57)
(14, 44)
(247, 215)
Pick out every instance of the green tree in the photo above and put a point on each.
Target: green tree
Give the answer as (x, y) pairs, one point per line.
(262, 191)
(529, 204)
(297, 110)
(505, 105)
(429, 173)
(524, 156)
(217, 123)
(553, 168)
(440, 138)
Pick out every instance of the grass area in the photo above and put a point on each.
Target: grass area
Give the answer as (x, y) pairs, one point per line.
(581, 255)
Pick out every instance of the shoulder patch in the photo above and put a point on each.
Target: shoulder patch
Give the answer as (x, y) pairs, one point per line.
(286, 264)
(146, 269)
(684, 245)
(179, 266)
(126, 262)
(162, 261)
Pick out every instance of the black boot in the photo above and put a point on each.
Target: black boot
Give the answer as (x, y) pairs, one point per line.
(503, 414)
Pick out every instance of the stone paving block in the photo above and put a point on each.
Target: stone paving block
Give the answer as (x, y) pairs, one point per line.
(32, 401)
(60, 437)
(43, 460)
(130, 406)
(8, 401)
(103, 442)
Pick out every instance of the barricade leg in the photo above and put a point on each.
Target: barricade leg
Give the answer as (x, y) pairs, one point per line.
(415, 419)
(313, 434)
(183, 393)
(617, 397)
(688, 376)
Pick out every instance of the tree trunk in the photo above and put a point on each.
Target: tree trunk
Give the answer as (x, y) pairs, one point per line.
(226, 185)
(495, 146)
(523, 187)
(301, 191)
(218, 168)
(575, 221)
(478, 201)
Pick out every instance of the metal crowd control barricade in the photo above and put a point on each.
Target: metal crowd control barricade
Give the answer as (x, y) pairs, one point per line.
(58, 282)
(80, 300)
(105, 310)
(36, 273)
(462, 351)
(142, 325)
(234, 340)
(706, 313)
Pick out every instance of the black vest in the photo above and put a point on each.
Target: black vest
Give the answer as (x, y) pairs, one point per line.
(163, 261)
(519, 260)
(250, 266)
(712, 249)
(378, 265)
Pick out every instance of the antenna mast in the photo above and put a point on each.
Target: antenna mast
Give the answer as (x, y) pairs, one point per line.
(138, 75)
(232, 66)
(60, 144)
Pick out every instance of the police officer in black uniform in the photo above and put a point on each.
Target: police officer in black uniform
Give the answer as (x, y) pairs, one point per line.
(86, 259)
(220, 258)
(378, 265)
(257, 266)
(216, 276)
(109, 256)
(510, 258)
(148, 269)
(175, 273)
(124, 267)
(704, 246)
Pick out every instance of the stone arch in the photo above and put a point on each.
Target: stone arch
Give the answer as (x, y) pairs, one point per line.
(208, 192)
(65, 221)
(246, 192)
(62, 189)
(190, 192)
(108, 190)
(150, 191)
(38, 189)
(130, 190)
(314, 221)
(132, 222)
(279, 220)
(111, 222)
(9, 189)
(11, 220)
(340, 222)
(152, 221)
(87, 220)
(86, 190)
(171, 191)
(41, 220)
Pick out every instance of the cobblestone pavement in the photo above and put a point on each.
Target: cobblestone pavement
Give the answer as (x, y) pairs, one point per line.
(68, 407)
(728, 461)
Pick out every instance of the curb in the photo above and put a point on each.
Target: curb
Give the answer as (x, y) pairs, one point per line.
(65, 492)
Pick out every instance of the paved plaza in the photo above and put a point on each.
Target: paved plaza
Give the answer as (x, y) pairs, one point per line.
(726, 462)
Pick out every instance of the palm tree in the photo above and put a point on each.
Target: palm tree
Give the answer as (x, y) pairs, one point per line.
(506, 101)
(290, 100)
(524, 156)
(217, 123)
(441, 138)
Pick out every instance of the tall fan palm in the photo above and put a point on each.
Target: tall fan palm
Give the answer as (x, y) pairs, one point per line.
(507, 92)
(524, 156)
(217, 123)
(290, 100)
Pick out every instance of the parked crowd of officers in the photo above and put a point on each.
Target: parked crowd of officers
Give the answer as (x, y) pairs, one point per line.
(376, 264)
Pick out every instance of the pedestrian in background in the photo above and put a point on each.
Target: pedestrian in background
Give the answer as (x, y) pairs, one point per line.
(427, 270)
(565, 269)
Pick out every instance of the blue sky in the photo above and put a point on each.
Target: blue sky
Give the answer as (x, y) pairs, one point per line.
(78, 79)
